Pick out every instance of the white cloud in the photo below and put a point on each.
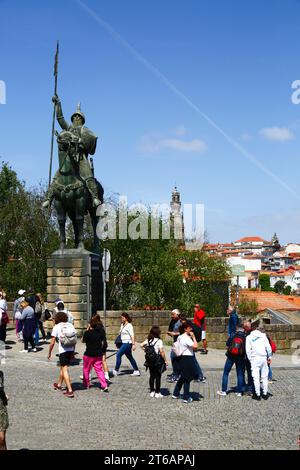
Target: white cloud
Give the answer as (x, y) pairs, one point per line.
(154, 143)
(179, 131)
(279, 134)
(195, 145)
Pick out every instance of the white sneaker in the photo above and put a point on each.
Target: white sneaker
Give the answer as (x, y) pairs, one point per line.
(136, 372)
(189, 400)
(222, 394)
(115, 372)
(24, 351)
(81, 377)
(239, 395)
(34, 350)
(152, 394)
(158, 395)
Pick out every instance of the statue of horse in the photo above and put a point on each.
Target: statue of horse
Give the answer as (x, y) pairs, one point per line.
(71, 195)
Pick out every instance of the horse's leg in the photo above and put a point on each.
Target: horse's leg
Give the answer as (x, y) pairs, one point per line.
(79, 222)
(61, 217)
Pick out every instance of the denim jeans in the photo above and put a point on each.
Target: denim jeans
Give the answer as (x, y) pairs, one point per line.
(270, 376)
(199, 370)
(250, 386)
(186, 388)
(174, 361)
(240, 371)
(126, 349)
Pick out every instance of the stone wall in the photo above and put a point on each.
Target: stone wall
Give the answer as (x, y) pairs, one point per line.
(142, 322)
(283, 335)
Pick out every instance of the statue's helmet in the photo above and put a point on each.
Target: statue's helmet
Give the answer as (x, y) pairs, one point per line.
(79, 112)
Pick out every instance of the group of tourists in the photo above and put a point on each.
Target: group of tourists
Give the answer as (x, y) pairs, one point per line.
(248, 348)
(251, 350)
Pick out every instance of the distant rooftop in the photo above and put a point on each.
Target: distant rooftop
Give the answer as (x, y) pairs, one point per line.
(251, 240)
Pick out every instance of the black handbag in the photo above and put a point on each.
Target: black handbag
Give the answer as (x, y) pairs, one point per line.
(118, 341)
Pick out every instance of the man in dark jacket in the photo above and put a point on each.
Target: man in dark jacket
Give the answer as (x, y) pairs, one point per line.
(235, 355)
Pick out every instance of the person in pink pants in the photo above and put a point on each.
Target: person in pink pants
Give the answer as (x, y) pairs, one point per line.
(96, 345)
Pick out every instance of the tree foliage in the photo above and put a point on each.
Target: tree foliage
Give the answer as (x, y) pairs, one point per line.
(264, 282)
(27, 235)
(279, 287)
(248, 308)
(159, 274)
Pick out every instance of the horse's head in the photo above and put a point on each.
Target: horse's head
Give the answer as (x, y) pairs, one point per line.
(67, 154)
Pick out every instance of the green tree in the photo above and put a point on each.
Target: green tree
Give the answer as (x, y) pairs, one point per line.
(148, 273)
(279, 287)
(248, 308)
(287, 290)
(264, 282)
(28, 235)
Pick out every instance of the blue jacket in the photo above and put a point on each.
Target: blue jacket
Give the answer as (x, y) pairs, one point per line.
(233, 322)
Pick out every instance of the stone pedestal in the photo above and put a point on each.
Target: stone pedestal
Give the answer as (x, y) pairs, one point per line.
(75, 276)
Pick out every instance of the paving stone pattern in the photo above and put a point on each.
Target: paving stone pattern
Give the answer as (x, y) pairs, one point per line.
(127, 418)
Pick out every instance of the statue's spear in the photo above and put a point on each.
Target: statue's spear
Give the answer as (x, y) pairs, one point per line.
(54, 110)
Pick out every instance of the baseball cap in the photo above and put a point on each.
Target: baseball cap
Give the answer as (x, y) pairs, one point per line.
(21, 291)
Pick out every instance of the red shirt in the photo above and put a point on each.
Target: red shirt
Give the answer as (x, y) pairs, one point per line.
(199, 319)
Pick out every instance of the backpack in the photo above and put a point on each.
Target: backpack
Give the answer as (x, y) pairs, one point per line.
(4, 319)
(178, 348)
(47, 315)
(273, 345)
(68, 336)
(151, 356)
(237, 346)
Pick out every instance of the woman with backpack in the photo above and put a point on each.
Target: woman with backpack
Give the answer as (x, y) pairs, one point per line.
(155, 359)
(185, 350)
(66, 335)
(236, 354)
(96, 346)
(40, 316)
(126, 344)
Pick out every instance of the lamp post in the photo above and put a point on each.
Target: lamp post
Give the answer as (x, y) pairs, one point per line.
(105, 278)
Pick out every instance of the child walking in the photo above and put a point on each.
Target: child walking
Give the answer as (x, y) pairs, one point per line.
(156, 360)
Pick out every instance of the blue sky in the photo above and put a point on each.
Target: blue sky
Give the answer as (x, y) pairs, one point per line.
(232, 60)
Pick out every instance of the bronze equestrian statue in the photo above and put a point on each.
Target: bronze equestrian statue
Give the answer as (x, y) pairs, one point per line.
(74, 189)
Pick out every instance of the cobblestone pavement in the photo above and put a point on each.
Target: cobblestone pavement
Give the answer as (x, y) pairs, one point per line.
(127, 418)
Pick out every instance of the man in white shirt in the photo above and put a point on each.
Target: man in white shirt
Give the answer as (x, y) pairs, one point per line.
(259, 353)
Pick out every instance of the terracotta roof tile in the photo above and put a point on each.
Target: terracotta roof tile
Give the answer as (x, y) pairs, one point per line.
(271, 300)
(251, 239)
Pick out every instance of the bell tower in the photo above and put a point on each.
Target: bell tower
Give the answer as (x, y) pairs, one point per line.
(177, 217)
